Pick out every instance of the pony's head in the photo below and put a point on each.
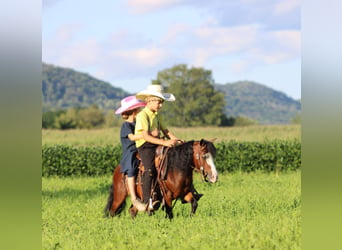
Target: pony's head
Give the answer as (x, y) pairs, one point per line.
(204, 154)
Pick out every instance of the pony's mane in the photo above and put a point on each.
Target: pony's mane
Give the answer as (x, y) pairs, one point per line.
(211, 148)
(181, 156)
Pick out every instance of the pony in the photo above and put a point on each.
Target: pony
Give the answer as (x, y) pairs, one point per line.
(174, 179)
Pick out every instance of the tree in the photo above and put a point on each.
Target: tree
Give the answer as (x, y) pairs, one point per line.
(67, 120)
(90, 117)
(112, 120)
(241, 121)
(197, 102)
(49, 118)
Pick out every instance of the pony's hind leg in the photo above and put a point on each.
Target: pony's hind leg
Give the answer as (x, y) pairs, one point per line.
(119, 193)
(133, 211)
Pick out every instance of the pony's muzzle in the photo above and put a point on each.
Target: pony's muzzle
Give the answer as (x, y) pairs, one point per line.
(213, 178)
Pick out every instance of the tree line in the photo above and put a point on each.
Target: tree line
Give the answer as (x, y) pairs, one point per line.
(197, 103)
(94, 117)
(79, 118)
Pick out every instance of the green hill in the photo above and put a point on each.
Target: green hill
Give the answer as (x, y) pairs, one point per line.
(256, 101)
(63, 88)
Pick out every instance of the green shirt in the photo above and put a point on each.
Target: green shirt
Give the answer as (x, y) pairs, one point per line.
(149, 121)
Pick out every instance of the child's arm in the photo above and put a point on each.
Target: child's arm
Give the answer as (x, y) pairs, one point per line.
(149, 138)
(134, 137)
(171, 136)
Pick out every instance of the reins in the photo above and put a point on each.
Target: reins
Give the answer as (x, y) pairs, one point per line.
(199, 160)
(161, 172)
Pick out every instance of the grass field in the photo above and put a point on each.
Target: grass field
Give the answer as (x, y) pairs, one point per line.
(241, 211)
(110, 136)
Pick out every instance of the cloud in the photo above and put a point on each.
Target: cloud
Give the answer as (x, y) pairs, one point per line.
(134, 53)
(127, 53)
(279, 46)
(60, 42)
(142, 58)
(286, 6)
(229, 39)
(272, 47)
(85, 53)
(175, 35)
(144, 6)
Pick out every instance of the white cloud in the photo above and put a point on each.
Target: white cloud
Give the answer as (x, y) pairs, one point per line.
(286, 6)
(174, 34)
(279, 46)
(143, 57)
(290, 39)
(66, 33)
(81, 53)
(144, 6)
(273, 47)
(229, 39)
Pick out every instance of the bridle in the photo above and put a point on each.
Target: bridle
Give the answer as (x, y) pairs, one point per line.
(199, 159)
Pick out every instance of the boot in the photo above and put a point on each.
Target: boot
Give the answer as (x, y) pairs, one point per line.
(146, 186)
(139, 205)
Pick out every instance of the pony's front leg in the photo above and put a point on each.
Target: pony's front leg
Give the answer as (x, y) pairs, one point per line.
(189, 197)
(168, 205)
(194, 205)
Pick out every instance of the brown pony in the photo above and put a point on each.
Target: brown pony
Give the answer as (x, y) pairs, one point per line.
(174, 177)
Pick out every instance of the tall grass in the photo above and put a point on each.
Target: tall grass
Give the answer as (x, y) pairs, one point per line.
(110, 136)
(241, 211)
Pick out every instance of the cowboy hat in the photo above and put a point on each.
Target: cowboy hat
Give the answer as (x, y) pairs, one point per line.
(129, 103)
(155, 90)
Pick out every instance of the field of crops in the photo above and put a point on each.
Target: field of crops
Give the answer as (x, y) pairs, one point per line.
(241, 211)
(110, 136)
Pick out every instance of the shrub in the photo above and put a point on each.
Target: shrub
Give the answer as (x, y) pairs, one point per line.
(277, 155)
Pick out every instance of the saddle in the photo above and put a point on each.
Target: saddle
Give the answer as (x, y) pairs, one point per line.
(161, 167)
(160, 161)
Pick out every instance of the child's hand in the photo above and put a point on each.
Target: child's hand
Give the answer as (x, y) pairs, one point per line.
(170, 143)
(179, 141)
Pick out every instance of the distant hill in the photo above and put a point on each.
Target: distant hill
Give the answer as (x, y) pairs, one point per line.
(63, 88)
(258, 102)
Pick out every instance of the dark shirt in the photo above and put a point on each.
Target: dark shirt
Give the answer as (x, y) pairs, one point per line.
(129, 162)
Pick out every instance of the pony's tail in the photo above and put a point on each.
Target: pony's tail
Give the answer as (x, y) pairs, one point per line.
(109, 202)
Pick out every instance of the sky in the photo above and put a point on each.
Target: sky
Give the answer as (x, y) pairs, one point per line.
(127, 42)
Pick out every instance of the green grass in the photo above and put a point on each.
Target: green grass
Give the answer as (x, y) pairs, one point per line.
(110, 136)
(241, 211)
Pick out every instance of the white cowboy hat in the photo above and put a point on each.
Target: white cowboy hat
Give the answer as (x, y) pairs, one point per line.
(155, 90)
(129, 103)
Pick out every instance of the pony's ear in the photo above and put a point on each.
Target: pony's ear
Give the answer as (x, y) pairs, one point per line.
(202, 142)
